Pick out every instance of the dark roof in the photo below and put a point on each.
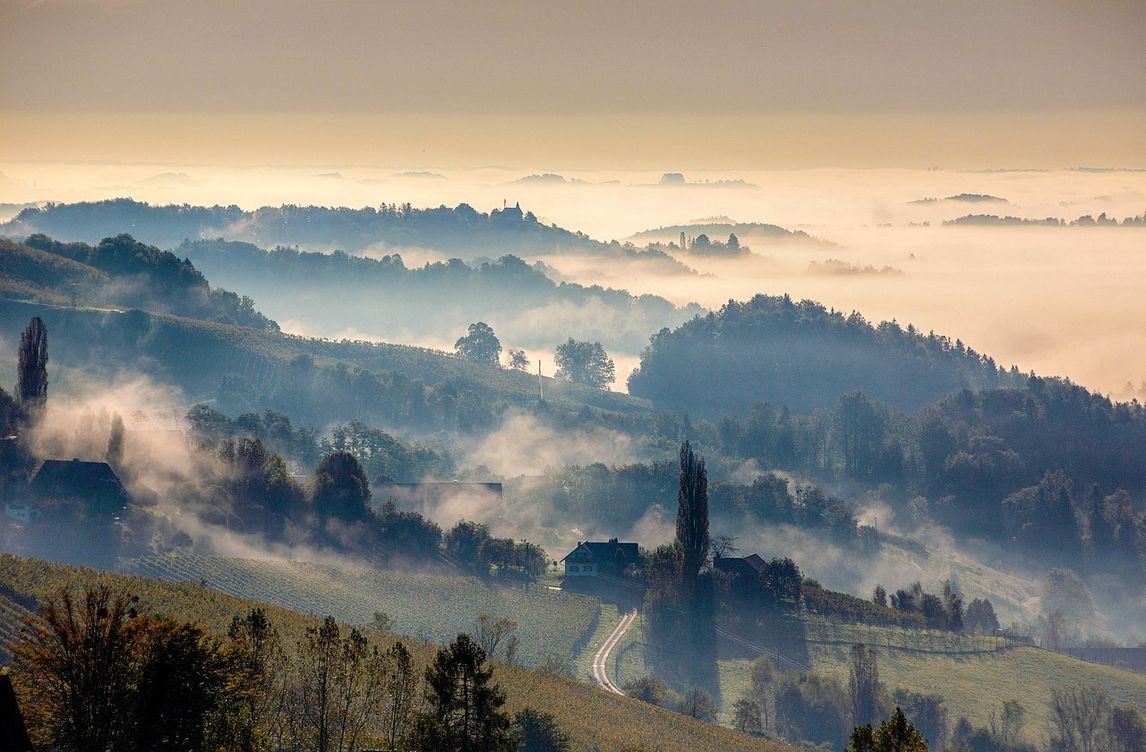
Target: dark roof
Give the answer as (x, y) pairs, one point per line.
(750, 565)
(610, 550)
(78, 479)
(12, 725)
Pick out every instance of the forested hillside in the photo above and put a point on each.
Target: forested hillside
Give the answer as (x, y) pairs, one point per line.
(802, 356)
(331, 291)
(461, 230)
(119, 271)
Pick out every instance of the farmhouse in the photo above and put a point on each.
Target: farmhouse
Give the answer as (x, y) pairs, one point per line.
(90, 488)
(596, 558)
(740, 566)
(743, 572)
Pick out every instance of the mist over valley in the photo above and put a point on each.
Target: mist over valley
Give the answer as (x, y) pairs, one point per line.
(439, 377)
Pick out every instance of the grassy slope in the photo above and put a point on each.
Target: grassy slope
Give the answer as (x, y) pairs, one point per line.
(200, 353)
(430, 607)
(595, 719)
(27, 273)
(973, 684)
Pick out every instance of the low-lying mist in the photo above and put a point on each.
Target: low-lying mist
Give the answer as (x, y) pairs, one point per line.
(1061, 301)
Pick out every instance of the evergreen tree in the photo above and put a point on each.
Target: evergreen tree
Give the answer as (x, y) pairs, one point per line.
(895, 734)
(465, 708)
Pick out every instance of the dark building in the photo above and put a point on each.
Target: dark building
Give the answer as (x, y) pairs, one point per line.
(89, 488)
(740, 566)
(594, 558)
(743, 571)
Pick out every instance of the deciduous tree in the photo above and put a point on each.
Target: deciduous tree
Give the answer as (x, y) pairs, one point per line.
(32, 368)
(584, 363)
(480, 345)
(863, 685)
(341, 489)
(692, 516)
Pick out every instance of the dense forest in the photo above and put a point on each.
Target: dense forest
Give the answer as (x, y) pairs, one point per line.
(460, 230)
(802, 355)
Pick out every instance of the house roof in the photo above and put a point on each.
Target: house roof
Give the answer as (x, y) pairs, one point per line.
(609, 550)
(77, 479)
(751, 564)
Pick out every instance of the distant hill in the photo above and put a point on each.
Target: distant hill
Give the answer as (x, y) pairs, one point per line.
(119, 271)
(460, 230)
(803, 356)
(1086, 220)
(720, 230)
(547, 178)
(966, 198)
(382, 296)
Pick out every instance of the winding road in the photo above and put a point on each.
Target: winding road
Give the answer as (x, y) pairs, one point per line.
(601, 659)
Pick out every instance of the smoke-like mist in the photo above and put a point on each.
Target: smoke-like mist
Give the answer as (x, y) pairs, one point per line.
(523, 445)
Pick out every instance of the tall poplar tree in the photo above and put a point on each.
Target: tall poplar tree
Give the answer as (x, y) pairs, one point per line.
(692, 515)
(32, 376)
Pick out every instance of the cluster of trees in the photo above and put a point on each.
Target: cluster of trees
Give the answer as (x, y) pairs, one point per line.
(693, 702)
(584, 363)
(1045, 469)
(337, 511)
(1086, 220)
(769, 499)
(145, 277)
(616, 497)
(944, 611)
(1082, 719)
(469, 546)
(99, 673)
(461, 228)
(702, 245)
(780, 587)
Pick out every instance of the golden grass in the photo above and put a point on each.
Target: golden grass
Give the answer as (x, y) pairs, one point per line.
(595, 719)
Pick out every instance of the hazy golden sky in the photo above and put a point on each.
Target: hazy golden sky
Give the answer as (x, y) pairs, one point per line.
(911, 82)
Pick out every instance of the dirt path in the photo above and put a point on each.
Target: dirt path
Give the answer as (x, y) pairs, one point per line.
(601, 659)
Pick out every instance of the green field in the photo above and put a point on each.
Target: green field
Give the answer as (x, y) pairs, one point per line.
(595, 719)
(430, 607)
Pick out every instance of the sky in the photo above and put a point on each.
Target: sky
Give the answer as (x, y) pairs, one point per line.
(589, 84)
